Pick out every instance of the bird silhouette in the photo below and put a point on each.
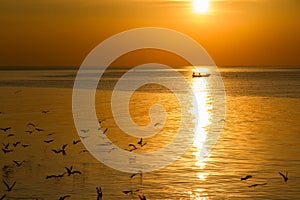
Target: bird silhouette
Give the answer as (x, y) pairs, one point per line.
(84, 130)
(18, 163)
(9, 188)
(31, 124)
(45, 111)
(139, 173)
(83, 151)
(16, 143)
(5, 151)
(10, 135)
(130, 191)
(64, 197)
(246, 177)
(134, 147)
(70, 171)
(127, 191)
(48, 141)
(39, 129)
(29, 131)
(156, 124)
(83, 137)
(5, 129)
(99, 193)
(285, 177)
(56, 176)
(62, 150)
(25, 145)
(76, 141)
(257, 184)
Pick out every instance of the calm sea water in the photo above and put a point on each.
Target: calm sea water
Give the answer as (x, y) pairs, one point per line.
(260, 138)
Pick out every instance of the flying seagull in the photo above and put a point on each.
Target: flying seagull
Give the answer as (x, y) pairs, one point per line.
(9, 188)
(70, 171)
(285, 177)
(246, 177)
(5, 129)
(99, 193)
(257, 184)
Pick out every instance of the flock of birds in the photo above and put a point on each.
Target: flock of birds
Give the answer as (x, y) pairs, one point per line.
(8, 148)
(284, 176)
(69, 171)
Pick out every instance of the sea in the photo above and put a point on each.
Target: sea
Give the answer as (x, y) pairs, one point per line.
(235, 122)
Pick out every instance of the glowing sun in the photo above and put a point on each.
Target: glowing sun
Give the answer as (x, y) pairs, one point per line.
(201, 6)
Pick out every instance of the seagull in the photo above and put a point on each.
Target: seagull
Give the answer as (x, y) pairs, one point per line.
(31, 124)
(127, 191)
(9, 188)
(285, 177)
(10, 135)
(56, 176)
(45, 111)
(5, 129)
(99, 193)
(142, 197)
(29, 132)
(156, 124)
(133, 175)
(48, 141)
(62, 150)
(25, 145)
(130, 191)
(18, 163)
(70, 171)
(76, 141)
(84, 130)
(7, 150)
(39, 129)
(246, 177)
(83, 151)
(64, 197)
(16, 143)
(83, 137)
(257, 184)
(134, 147)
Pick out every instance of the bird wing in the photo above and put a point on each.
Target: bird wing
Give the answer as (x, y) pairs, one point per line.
(16, 162)
(133, 175)
(13, 185)
(282, 174)
(56, 151)
(7, 186)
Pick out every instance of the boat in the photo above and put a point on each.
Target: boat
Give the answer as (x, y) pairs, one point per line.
(195, 75)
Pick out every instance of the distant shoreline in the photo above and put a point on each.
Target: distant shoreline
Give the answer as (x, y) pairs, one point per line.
(77, 67)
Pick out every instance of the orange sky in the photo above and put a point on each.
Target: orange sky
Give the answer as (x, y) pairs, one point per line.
(234, 32)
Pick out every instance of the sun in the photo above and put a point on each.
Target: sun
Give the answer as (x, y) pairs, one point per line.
(201, 6)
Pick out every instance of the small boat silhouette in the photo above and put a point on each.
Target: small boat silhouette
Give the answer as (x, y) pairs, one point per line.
(198, 74)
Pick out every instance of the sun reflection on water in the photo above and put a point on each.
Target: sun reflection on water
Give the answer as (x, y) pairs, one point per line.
(200, 89)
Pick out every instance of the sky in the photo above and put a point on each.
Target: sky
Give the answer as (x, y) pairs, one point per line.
(234, 32)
